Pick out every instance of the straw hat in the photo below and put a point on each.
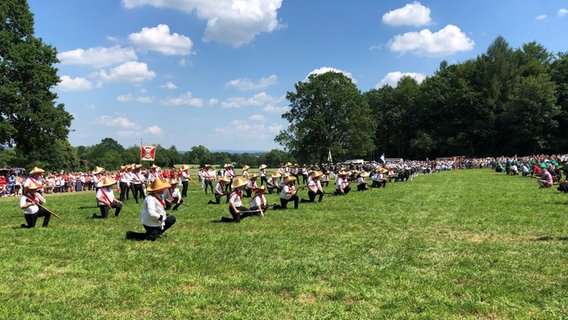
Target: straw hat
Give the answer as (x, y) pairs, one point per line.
(173, 182)
(154, 166)
(107, 182)
(98, 170)
(343, 173)
(383, 170)
(289, 179)
(260, 189)
(33, 186)
(288, 164)
(158, 185)
(275, 175)
(137, 166)
(364, 174)
(246, 167)
(37, 170)
(262, 166)
(225, 179)
(207, 166)
(184, 167)
(254, 176)
(239, 182)
(315, 174)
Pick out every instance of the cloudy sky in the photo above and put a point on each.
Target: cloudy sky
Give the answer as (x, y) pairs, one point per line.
(215, 73)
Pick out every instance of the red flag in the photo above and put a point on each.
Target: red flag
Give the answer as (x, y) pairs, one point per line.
(148, 153)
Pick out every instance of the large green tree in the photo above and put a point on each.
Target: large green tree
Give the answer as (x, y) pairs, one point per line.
(327, 113)
(30, 117)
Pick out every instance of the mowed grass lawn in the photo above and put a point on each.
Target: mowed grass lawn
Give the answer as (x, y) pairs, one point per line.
(464, 244)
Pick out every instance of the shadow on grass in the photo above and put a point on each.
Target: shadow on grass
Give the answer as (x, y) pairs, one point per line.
(549, 238)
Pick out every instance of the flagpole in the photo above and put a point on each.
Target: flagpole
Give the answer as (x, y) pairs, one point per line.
(140, 150)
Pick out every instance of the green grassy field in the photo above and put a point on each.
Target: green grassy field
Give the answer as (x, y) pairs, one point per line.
(471, 244)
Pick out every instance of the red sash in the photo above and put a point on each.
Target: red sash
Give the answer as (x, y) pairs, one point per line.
(159, 200)
(106, 197)
(32, 200)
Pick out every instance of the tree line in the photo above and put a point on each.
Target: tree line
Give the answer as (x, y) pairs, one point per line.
(504, 102)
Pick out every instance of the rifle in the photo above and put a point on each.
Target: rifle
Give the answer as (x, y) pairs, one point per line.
(46, 209)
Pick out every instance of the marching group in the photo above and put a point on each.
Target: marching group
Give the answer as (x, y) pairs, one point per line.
(159, 190)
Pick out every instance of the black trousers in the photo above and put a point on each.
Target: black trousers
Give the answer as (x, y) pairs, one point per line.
(124, 189)
(238, 216)
(263, 180)
(105, 209)
(152, 233)
(208, 184)
(284, 202)
(175, 202)
(312, 195)
(137, 191)
(184, 185)
(31, 219)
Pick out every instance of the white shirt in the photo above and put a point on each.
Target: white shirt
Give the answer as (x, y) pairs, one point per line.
(152, 210)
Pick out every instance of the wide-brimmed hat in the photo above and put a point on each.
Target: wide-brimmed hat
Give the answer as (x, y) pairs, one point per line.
(33, 186)
(98, 170)
(158, 185)
(184, 167)
(383, 170)
(37, 170)
(275, 175)
(239, 182)
(315, 174)
(246, 167)
(225, 179)
(207, 166)
(262, 166)
(107, 181)
(364, 174)
(173, 182)
(125, 167)
(254, 176)
(137, 166)
(289, 179)
(154, 166)
(343, 173)
(288, 164)
(260, 189)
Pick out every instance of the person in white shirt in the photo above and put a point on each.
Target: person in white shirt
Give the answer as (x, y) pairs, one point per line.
(153, 215)
(185, 177)
(124, 182)
(208, 177)
(258, 202)
(172, 196)
(288, 194)
(106, 200)
(236, 208)
(314, 187)
(30, 203)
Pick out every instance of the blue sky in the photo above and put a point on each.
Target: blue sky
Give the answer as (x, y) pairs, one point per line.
(215, 73)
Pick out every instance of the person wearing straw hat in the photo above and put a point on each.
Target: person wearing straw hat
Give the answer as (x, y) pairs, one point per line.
(153, 174)
(262, 173)
(288, 193)
(29, 204)
(220, 190)
(153, 215)
(249, 188)
(137, 182)
(361, 183)
(124, 182)
(324, 180)
(185, 177)
(258, 202)
(35, 176)
(314, 187)
(245, 172)
(106, 200)
(209, 176)
(342, 183)
(230, 173)
(272, 182)
(236, 208)
(172, 196)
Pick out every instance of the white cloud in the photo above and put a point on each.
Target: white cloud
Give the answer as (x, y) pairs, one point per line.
(118, 121)
(540, 17)
(257, 117)
(74, 84)
(185, 99)
(256, 100)
(213, 101)
(145, 99)
(274, 109)
(247, 84)
(97, 57)
(392, 78)
(328, 69)
(562, 12)
(160, 40)
(154, 130)
(447, 41)
(125, 98)
(234, 22)
(131, 71)
(169, 85)
(412, 14)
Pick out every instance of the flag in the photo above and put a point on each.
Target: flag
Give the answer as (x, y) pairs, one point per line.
(383, 157)
(329, 159)
(148, 153)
